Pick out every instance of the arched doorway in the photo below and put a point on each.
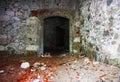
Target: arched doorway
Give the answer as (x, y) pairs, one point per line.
(46, 13)
(55, 35)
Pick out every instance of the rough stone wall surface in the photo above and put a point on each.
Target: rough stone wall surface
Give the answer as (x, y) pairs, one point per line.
(102, 27)
(17, 29)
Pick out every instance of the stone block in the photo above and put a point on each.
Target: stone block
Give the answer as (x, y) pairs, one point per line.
(75, 51)
(4, 18)
(10, 13)
(113, 42)
(34, 6)
(32, 47)
(77, 39)
(113, 61)
(3, 39)
(1, 48)
(116, 36)
(118, 49)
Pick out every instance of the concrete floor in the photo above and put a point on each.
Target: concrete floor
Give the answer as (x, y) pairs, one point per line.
(70, 68)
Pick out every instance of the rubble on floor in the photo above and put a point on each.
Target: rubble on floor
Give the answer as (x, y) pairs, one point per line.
(58, 69)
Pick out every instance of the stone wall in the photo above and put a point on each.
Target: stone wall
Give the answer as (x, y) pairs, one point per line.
(18, 26)
(101, 28)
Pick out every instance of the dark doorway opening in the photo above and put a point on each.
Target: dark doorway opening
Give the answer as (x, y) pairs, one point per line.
(56, 35)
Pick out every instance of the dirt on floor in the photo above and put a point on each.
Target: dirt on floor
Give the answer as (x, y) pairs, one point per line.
(70, 68)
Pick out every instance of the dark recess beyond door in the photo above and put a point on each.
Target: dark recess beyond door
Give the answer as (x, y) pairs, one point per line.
(56, 35)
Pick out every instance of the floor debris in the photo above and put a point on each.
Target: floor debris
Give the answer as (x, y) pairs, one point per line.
(57, 69)
(25, 65)
(1, 71)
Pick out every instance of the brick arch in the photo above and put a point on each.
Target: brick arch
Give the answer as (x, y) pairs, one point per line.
(42, 14)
